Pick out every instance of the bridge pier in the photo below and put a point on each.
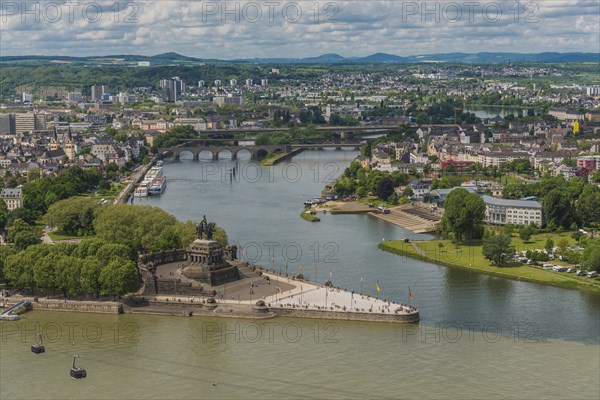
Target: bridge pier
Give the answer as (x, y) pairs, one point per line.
(195, 156)
(215, 156)
(176, 156)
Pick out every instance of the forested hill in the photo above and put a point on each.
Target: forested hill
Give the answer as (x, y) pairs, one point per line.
(118, 77)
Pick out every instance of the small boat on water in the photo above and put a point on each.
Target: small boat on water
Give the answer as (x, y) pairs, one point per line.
(158, 185)
(153, 173)
(141, 191)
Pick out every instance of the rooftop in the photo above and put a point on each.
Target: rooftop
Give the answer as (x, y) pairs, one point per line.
(511, 203)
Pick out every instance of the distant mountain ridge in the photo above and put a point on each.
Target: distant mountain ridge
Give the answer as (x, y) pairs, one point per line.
(377, 58)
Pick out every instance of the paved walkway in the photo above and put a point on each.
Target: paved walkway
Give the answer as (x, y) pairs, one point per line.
(285, 292)
(315, 296)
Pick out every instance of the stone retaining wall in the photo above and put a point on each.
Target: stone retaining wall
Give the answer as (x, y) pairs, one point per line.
(102, 307)
(152, 260)
(347, 316)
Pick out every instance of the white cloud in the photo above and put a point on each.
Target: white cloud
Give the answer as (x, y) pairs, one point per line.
(351, 28)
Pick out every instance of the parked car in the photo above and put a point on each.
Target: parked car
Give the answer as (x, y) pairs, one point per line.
(570, 270)
(592, 274)
(580, 273)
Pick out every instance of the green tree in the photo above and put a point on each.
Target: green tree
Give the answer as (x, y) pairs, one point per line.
(557, 208)
(73, 216)
(498, 250)
(23, 235)
(90, 275)
(119, 277)
(3, 215)
(68, 275)
(562, 245)
(262, 139)
(385, 188)
(525, 233)
(5, 251)
(549, 246)
(23, 214)
(588, 205)
(463, 215)
(169, 239)
(591, 259)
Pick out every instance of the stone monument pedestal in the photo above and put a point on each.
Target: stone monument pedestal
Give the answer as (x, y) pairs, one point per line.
(207, 265)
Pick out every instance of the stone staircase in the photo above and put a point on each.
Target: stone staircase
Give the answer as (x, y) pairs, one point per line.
(409, 219)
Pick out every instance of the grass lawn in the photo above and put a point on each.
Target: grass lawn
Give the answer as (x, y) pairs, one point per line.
(113, 192)
(308, 216)
(56, 235)
(470, 257)
(270, 159)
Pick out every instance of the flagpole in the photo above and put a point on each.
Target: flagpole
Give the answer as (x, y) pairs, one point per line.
(361, 284)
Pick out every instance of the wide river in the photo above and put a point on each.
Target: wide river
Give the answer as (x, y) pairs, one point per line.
(480, 336)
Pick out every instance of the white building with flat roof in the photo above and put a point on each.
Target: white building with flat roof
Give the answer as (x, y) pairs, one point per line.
(516, 212)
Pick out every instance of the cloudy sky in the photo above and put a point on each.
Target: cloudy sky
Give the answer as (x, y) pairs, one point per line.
(279, 28)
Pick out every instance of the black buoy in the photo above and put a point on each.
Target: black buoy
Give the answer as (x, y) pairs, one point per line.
(39, 346)
(77, 373)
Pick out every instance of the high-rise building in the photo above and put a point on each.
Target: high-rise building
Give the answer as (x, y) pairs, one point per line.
(98, 92)
(74, 97)
(264, 82)
(26, 122)
(169, 90)
(181, 83)
(218, 82)
(233, 82)
(249, 82)
(172, 88)
(593, 90)
(7, 124)
(201, 84)
(27, 97)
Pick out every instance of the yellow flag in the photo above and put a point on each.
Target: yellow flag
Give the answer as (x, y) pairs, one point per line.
(377, 286)
(300, 267)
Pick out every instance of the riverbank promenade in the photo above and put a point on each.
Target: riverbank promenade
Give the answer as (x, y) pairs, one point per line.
(310, 295)
(283, 291)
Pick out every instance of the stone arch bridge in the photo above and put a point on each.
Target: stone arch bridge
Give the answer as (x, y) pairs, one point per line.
(254, 150)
